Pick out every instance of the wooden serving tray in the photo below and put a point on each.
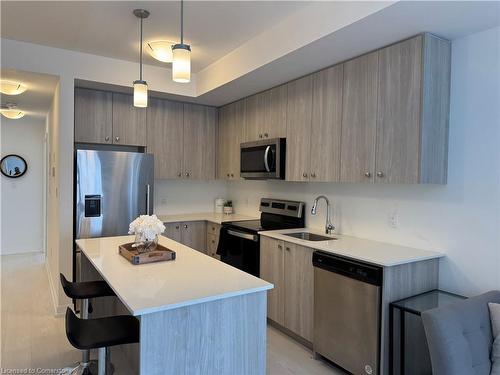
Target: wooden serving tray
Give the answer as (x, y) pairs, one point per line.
(160, 254)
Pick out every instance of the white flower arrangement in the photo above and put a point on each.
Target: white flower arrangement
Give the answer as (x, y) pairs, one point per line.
(148, 227)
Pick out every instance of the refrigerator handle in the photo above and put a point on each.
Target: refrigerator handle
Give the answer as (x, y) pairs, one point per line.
(148, 189)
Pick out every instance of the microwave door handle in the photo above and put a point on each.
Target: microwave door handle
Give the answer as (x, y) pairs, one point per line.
(266, 155)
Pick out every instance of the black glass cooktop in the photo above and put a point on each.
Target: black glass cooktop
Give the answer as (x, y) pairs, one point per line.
(266, 222)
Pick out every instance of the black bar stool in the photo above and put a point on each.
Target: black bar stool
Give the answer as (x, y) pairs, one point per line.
(101, 333)
(84, 291)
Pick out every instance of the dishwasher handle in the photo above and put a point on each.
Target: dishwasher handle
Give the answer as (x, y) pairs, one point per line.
(347, 267)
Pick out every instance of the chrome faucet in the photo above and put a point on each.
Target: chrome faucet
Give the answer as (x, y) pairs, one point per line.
(329, 228)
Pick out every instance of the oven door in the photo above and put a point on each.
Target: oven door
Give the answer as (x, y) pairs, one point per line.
(263, 159)
(240, 249)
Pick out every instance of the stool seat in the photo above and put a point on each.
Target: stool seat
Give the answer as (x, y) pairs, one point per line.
(86, 289)
(101, 332)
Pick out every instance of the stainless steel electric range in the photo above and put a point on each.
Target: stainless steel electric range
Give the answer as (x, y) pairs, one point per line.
(239, 242)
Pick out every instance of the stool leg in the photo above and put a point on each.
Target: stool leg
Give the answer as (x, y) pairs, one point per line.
(101, 362)
(84, 314)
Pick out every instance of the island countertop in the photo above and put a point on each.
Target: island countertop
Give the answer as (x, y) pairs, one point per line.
(190, 279)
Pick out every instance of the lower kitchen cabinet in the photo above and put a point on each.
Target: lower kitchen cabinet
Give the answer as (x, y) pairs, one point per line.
(299, 290)
(189, 233)
(271, 270)
(289, 267)
(213, 231)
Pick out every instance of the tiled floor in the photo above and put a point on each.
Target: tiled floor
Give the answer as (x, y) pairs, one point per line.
(32, 337)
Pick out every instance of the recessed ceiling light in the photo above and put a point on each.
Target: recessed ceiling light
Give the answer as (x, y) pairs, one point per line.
(11, 87)
(161, 50)
(10, 111)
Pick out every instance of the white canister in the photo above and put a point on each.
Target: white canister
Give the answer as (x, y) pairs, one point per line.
(219, 205)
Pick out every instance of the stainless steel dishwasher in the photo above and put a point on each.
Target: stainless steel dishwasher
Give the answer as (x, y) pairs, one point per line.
(347, 296)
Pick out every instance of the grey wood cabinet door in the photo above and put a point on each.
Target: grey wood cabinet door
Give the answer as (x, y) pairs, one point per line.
(93, 116)
(299, 290)
(129, 122)
(199, 141)
(398, 120)
(194, 235)
(231, 122)
(273, 111)
(359, 119)
(326, 124)
(272, 270)
(253, 118)
(173, 231)
(165, 130)
(298, 130)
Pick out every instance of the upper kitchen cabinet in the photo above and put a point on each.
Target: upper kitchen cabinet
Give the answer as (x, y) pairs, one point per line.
(265, 114)
(231, 120)
(326, 124)
(105, 117)
(413, 111)
(165, 130)
(359, 119)
(298, 129)
(93, 116)
(129, 122)
(200, 131)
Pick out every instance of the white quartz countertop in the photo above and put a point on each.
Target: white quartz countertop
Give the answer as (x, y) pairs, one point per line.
(374, 252)
(190, 279)
(206, 216)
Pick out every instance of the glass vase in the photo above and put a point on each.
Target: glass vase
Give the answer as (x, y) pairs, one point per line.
(143, 245)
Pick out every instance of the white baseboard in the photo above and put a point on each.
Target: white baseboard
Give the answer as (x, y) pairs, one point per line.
(58, 309)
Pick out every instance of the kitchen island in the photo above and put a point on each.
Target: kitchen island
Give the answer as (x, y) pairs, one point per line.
(197, 315)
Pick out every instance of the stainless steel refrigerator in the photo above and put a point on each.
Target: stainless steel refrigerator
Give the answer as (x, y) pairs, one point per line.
(112, 188)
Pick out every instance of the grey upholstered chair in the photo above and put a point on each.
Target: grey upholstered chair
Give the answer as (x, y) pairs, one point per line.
(459, 336)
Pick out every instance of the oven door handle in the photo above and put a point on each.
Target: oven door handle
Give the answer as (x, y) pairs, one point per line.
(266, 155)
(246, 236)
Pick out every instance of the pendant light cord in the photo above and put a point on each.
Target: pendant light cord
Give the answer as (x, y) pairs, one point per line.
(140, 57)
(182, 21)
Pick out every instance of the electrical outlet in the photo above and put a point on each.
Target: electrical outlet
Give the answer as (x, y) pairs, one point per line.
(394, 219)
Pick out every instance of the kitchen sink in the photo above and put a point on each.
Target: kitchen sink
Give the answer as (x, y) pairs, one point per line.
(309, 236)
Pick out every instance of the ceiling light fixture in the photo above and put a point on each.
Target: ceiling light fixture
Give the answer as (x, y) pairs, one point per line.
(11, 87)
(141, 86)
(181, 64)
(161, 50)
(10, 111)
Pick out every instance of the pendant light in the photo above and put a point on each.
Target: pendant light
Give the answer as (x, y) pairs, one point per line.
(141, 86)
(9, 110)
(11, 87)
(181, 53)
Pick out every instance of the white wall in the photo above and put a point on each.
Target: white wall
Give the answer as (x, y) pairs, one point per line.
(22, 198)
(462, 218)
(174, 197)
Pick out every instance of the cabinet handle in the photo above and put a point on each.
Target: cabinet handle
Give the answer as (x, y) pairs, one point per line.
(232, 175)
(380, 174)
(177, 227)
(117, 139)
(368, 174)
(213, 241)
(187, 174)
(287, 248)
(280, 247)
(260, 135)
(313, 175)
(304, 174)
(106, 139)
(228, 175)
(185, 226)
(266, 135)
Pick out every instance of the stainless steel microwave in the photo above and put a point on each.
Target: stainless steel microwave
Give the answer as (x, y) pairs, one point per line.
(263, 160)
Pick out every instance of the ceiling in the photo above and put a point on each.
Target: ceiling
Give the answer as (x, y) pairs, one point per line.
(37, 99)
(108, 28)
